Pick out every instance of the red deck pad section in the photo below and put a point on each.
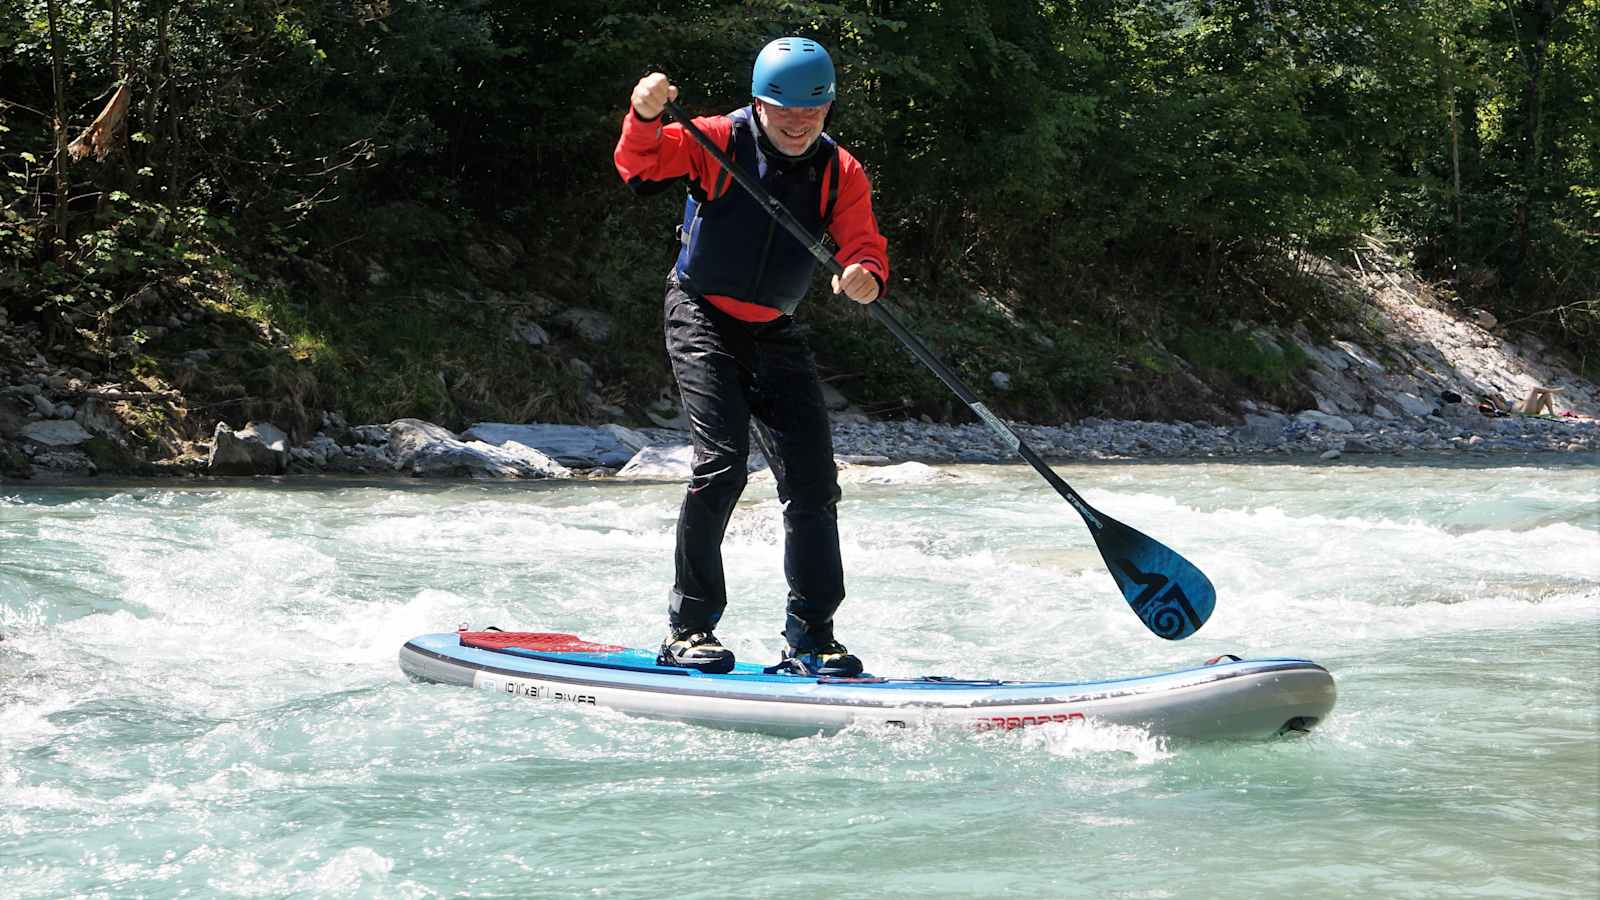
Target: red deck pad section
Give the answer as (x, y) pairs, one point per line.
(537, 641)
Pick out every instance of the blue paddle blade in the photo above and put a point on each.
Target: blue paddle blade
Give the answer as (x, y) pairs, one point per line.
(1168, 594)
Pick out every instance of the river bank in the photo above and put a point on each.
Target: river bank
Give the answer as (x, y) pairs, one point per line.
(409, 448)
(1423, 378)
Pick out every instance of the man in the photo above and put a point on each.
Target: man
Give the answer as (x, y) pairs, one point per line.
(735, 347)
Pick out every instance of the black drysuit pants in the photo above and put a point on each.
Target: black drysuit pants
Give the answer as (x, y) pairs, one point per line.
(727, 371)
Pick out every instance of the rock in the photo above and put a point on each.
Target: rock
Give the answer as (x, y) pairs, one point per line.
(336, 429)
(317, 452)
(43, 406)
(1000, 380)
(1266, 429)
(660, 462)
(1360, 356)
(408, 436)
(590, 324)
(1323, 420)
(1332, 394)
(904, 473)
(373, 435)
(55, 433)
(585, 373)
(112, 456)
(1332, 454)
(832, 399)
(1410, 404)
(361, 458)
(98, 418)
(425, 449)
(260, 448)
(63, 460)
(845, 460)
(489, 257)
(529, 332)
(626, 436)
(571, 445)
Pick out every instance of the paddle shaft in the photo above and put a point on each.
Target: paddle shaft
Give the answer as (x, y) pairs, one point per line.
(882, 313)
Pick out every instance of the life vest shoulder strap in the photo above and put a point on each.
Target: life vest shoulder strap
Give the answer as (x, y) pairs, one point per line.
(831, 179)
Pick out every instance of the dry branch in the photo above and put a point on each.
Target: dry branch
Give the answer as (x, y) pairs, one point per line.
(107, 130)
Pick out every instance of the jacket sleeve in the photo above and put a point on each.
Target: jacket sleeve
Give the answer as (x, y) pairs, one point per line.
(854, 228)
(652, 153)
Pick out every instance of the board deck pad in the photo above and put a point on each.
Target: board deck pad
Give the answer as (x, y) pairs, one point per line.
(571, 650)
(537, 641)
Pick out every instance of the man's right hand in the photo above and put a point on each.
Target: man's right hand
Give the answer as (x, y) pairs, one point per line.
(651, 94)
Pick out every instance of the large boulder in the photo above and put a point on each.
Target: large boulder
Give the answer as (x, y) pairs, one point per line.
(1266, 428)
(578, 446)
(259, 448)
(58, 433)
(425, 449)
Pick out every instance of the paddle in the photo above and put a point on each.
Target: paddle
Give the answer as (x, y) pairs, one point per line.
(1170, 596)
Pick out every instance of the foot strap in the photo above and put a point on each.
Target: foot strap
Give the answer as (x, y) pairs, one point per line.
(790, 665)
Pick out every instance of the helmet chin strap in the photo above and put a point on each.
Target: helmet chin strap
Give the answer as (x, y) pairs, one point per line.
(768, 147)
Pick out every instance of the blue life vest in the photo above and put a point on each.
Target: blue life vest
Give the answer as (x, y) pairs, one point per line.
(733, 247)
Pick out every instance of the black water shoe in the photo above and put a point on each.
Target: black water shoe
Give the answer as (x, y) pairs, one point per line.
(828, 659)
(696, 650)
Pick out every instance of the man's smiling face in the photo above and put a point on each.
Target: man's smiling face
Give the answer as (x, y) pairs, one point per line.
(792, 129)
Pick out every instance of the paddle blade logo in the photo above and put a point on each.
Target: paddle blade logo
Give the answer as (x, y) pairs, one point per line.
(1161, 604)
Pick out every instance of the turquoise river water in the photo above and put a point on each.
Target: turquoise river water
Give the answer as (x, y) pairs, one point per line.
(199, 695)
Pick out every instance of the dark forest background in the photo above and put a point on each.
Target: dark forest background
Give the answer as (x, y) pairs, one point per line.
(352, 205)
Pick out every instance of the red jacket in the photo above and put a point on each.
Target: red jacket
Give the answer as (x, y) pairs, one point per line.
(655, 152)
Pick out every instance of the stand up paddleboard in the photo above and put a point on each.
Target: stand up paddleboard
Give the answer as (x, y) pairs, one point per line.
(1228, 698)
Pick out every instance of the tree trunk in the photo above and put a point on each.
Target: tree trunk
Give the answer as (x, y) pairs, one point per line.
(60, 207)
(1541, 17)
(170, 94)
(116, 39)
(1455, 130)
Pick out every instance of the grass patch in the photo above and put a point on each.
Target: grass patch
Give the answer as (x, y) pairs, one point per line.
(1242, 355)
(1056, 369)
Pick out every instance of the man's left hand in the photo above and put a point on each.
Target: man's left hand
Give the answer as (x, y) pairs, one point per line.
(856, 283)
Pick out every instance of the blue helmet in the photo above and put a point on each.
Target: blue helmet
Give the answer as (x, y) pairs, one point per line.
(793, 71)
